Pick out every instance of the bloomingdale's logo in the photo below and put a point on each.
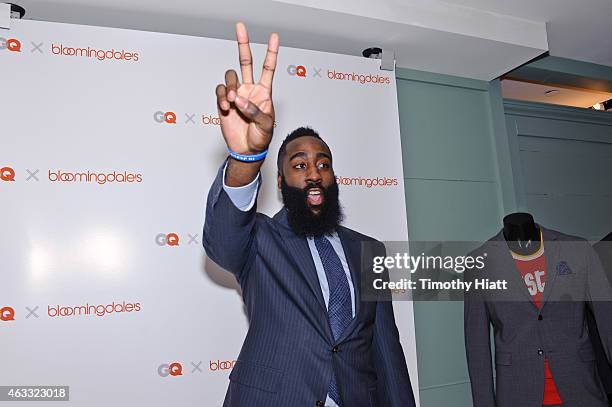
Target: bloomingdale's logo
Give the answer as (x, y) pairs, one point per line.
(90, 310)
(101, 178)
(99, 54)
(8, 174)
(301, 71)
(367, 182)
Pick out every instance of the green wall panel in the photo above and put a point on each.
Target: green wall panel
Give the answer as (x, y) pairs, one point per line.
(452, 171)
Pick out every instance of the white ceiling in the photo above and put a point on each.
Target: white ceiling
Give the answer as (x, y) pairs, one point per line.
(577, 29)
(480, 39)
(565, 96)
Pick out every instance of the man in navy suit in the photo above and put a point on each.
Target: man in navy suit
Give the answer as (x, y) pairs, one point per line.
(312, 340)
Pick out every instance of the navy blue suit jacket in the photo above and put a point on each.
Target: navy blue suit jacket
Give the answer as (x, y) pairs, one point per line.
(289, 354)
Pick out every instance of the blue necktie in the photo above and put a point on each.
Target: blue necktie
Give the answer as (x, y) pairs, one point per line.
(339, 308)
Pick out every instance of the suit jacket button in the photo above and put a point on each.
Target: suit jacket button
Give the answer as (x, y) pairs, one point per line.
(335, 349)
(320, 403)
(540, 352)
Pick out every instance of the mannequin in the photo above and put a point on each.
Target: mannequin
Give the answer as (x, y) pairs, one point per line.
(521, 233)
(540, 359)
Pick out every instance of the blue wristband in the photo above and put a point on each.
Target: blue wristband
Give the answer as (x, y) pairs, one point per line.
(247, 158)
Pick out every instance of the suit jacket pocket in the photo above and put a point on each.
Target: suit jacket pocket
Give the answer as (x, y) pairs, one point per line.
(255, 375)
(503, 358)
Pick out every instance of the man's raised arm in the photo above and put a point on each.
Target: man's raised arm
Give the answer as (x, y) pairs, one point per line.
(247, 122)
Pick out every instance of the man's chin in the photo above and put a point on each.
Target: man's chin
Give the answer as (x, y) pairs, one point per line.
(316, 210)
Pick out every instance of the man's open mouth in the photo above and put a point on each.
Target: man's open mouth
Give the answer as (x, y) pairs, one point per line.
(314, 196)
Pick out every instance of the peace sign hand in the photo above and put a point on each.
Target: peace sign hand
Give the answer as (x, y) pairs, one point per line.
(246, 109)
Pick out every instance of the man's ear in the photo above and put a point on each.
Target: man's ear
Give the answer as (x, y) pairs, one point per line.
(279, 179)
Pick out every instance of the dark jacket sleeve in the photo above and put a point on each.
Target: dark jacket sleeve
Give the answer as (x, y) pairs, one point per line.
(478, 346)
(599, 297)
(393, 379)
(229, 233)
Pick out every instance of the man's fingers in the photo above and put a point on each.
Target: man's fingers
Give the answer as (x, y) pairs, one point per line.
(244, 53)
(270, 62)
(231, 83)
(263, 121)
(222, 98)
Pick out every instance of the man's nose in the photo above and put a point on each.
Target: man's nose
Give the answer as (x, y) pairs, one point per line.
(313, 175)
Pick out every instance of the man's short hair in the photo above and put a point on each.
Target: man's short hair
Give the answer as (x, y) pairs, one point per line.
(297, 133)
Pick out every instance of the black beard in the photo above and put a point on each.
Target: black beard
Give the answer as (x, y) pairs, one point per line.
(302, 220)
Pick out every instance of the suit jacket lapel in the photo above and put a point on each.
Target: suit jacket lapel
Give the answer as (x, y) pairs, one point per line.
(298, 247)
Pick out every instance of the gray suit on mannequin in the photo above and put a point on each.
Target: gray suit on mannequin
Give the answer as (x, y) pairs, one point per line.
(525, 335)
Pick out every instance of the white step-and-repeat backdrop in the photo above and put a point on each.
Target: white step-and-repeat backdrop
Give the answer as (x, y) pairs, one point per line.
(109, 141)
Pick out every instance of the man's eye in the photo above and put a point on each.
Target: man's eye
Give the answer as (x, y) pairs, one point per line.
(299, 166)
(323, 165)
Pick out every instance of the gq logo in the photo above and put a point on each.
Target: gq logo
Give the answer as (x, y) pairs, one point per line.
(170, 239)
(172, 369)
(7, 314)
(7, 174)
(298, 70)
(164, 117)
(10, 44)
